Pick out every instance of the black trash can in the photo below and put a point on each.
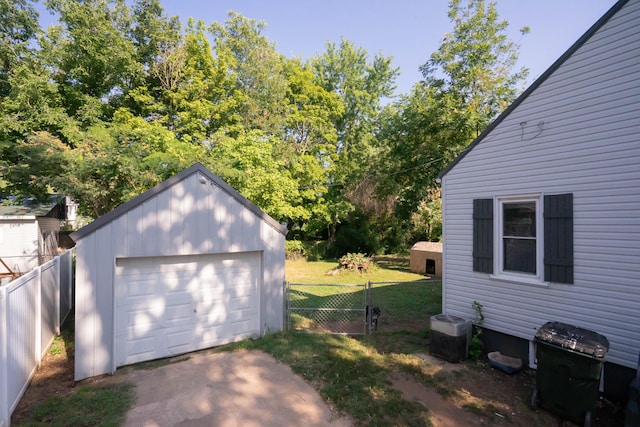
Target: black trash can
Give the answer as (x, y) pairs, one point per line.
(570, 361)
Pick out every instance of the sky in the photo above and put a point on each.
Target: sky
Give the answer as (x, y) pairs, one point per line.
(407, 30)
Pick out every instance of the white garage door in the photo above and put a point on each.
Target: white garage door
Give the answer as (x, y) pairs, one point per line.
(172, 305)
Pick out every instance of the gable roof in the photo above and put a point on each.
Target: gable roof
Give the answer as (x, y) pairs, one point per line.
(30, 211)
(138, 200)
(578, 44)
(31, 208)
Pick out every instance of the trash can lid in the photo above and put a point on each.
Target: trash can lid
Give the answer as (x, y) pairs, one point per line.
(574, 338)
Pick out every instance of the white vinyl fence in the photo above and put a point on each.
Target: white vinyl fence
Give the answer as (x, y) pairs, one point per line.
(32, 308)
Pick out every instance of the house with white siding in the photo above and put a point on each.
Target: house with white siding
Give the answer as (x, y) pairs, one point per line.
(29, 234)
(189, 264)
(541, 213)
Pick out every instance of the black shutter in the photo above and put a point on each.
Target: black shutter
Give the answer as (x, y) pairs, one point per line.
(558, 238)
(483, 235)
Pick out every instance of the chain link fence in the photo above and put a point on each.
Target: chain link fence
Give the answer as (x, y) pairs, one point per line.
(405, 306)
(336, 308)
(362, 308)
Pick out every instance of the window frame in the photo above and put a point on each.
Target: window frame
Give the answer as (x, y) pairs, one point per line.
(498, 227)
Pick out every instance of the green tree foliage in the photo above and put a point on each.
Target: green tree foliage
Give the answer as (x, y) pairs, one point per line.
(346, 70)
(18, 27)
(257, 68)
(249, 163)
(467, 83)
(362, 85)
(93, 59)
(117, 96)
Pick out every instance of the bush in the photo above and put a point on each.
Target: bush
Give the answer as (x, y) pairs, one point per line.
(356, 262)
(294, 249)
(311, 250)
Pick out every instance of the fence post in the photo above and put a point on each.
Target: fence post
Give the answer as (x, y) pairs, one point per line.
(284, 305)
(70, 274)
(4, 387)
(287, 292)
(369, 305)
(38, 337)
(58, 284)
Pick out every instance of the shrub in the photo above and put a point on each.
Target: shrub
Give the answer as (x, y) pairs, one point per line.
(356, 262)
(475, 347)
(294, 249)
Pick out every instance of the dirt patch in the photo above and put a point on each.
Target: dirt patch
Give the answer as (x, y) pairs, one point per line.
(466, 394)
(54, 377)
(442, 412)
(476, 394)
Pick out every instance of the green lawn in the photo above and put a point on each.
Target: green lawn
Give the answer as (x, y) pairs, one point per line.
(335, 303)
(391, 270)
(350, 373)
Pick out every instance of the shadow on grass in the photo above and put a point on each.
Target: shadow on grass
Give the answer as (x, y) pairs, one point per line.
(89, 405)
(348, 373)
(342, 308)
(396, 263)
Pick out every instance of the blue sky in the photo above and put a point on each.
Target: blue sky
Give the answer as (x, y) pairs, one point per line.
(407, 30)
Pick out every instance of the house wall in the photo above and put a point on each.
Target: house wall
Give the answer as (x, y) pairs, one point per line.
(19, 243)
(578, 132)
(192, 216)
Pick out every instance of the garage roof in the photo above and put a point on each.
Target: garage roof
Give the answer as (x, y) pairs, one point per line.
(196, 168)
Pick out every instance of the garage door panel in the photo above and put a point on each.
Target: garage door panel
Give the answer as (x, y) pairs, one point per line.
(141, 349)
(142, 288)
(242, 303)
(179, 339)
(214, 317)
(179, 313)
(172, 305)
(240, 327)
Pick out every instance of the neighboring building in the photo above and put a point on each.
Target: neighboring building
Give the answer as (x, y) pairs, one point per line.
(541, 214)
(29, 234)
(426, 258)
(189, 264)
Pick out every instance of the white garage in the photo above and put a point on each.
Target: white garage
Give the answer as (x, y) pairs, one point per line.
(188, 265)
(173, 305)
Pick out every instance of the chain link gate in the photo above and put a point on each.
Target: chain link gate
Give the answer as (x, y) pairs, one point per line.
(361, 308)
(335, 308)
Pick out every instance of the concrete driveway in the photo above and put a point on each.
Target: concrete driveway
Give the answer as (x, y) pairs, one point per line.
(243, 389)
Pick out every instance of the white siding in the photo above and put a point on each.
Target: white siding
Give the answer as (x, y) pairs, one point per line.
(19, 244)
(191, 216)
(578, 132)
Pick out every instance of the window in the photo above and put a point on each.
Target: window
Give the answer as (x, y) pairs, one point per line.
(533, 242)
(517, 225)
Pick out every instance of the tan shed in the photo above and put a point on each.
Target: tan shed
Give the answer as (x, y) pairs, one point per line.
(426, 258)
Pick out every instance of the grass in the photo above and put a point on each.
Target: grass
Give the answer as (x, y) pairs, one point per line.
(349, 373)
(89, 405)
(390, 270)
(352, 374)
(405, 299)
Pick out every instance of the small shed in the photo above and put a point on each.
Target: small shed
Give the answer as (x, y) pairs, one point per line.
(189, 264)
(29, 234)
(426, 258)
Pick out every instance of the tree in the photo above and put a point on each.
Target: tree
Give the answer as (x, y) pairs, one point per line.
(346, 70)
(18, 27)
(257, 68)
(362, 85)
(250, 164)
(474, 65)
(467, 83)
(94, 61)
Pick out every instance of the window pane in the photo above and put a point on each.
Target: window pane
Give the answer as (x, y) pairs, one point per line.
(519, 219)
(520, 255)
